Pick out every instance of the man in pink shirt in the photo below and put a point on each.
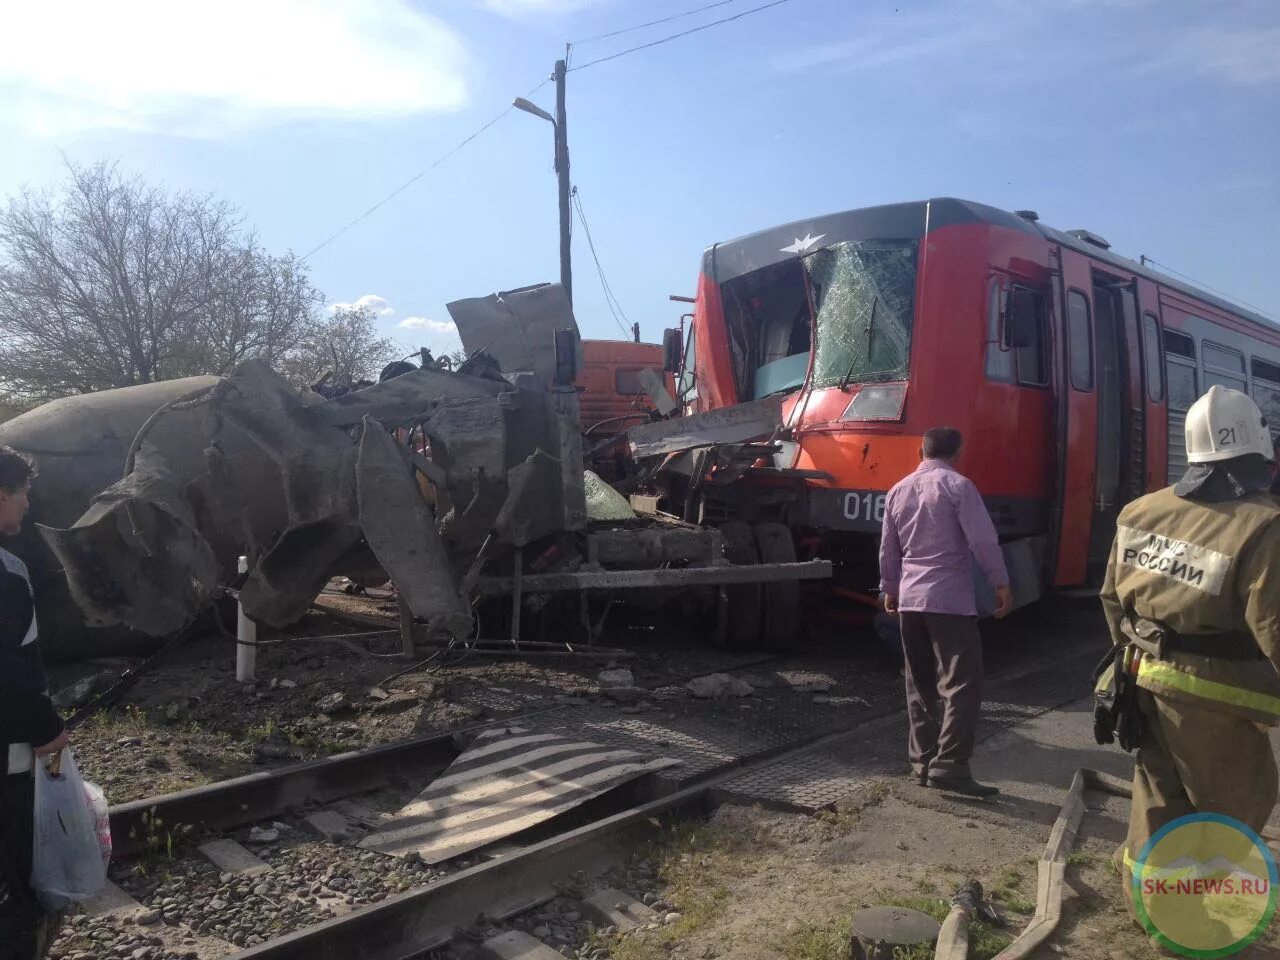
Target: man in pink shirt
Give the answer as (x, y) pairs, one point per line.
(934, 522)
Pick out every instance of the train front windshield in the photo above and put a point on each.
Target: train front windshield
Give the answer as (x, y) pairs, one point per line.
(862, 293)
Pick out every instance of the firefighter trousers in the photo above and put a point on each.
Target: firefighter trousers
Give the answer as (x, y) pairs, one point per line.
(1192, 759)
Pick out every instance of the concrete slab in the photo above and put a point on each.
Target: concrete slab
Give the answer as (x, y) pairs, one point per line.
(516, 945)
(333, 825)
(610, 907)
(1032, 695)
(112, 901)
(230, 857)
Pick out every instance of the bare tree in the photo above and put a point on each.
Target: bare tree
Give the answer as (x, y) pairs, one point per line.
(345, 345)
(264, 307)
(107, 282)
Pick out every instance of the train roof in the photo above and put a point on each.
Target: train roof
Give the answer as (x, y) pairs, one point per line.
(911, 221)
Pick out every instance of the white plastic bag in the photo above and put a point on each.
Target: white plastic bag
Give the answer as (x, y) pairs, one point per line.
(101, 811)
(67, 864)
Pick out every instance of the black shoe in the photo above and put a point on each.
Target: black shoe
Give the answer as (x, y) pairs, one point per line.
(922, 777)
(966, 786)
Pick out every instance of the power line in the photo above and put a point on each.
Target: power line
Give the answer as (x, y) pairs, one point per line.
(624, 324)
(677, 36)
(653, 23)
(1221, 293)
(615, 308)
(415, 178)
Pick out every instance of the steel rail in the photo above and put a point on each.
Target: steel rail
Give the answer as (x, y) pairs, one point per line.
(142, 824)
(411, 923)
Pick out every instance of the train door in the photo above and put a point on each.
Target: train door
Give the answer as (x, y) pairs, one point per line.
(1121, 472)
(1156, 435)
(1103, 459)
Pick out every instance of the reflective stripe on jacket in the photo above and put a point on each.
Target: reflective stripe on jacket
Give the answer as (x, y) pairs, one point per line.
(1244, 697)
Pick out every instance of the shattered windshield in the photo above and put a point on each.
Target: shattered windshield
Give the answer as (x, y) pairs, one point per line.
(864, 295)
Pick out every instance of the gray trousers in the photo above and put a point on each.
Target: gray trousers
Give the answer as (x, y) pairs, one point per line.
(943, 655)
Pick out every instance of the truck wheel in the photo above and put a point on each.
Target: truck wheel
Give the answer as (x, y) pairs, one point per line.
(740, 604)
(783, 621)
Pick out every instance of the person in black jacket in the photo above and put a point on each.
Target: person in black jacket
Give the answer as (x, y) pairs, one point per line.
(29, 725)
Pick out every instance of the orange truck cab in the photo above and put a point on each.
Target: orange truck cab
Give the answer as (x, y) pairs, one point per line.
(612, 394)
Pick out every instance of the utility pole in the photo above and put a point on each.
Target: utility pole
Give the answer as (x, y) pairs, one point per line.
(562, 176)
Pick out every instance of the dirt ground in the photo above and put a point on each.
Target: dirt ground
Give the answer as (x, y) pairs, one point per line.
(760, 885)
(187, 721)
(751, 884)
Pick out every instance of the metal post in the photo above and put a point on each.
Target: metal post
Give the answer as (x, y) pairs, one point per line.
(406, 625)
(246, 639)
(562, 176)
(517, 596)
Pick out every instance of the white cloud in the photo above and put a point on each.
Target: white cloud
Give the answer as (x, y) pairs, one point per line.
(1244, 56)
(425, 323)
(211, 69)
(526, 8)
(371, 301)
(1245, 182)
(1236, 45)
(890, 39)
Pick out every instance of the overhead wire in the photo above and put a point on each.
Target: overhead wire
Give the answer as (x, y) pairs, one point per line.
(1222, 293)
(572, 68)
(416, 177)
(677, 36)
(653, 23)
(611, 301)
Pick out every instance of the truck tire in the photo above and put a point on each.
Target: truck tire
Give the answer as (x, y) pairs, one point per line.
(783, 622)
(741, 604)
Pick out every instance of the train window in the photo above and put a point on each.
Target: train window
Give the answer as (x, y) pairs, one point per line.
(999, 363)
(1222, 358)
(627, 383)
(1079, 341)
(1264, 370)
(1151, 354)
(1026, 312)
(1222, 366)
(1182, 385)
(1179, 344)
(1266, 391)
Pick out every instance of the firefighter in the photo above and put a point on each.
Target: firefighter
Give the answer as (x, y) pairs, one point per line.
(1192, 601)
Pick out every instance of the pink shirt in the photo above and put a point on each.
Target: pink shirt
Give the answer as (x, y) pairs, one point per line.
(934, 520)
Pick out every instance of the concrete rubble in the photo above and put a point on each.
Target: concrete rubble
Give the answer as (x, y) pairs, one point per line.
(716, 685)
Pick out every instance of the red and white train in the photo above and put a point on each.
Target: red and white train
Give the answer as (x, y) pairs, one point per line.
(1068, 368)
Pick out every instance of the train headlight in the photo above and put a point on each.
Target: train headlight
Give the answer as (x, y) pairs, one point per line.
(877, 401)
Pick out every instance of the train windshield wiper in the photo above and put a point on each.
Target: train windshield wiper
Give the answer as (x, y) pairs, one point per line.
(857, 357)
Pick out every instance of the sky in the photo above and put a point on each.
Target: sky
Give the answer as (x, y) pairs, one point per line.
(1150, 122)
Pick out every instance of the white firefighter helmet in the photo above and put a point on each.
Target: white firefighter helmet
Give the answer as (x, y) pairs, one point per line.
(1224, 424)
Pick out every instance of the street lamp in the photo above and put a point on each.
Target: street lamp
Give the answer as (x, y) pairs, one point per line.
(562, 170)
(520, 103)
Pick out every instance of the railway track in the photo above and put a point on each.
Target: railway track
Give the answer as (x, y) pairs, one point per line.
(200, 887)
(323, 897)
